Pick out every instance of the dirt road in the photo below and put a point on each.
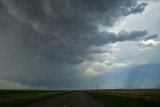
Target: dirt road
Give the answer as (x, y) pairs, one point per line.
(74, 99)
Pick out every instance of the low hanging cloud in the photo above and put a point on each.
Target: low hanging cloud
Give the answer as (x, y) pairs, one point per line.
(4, 84)
(12, 85)
(46, 39)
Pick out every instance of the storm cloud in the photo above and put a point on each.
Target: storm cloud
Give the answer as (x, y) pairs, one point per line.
(49, 38)
(64, 30)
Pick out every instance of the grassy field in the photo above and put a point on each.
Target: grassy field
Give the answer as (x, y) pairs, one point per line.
(128, 98)
(18, 98)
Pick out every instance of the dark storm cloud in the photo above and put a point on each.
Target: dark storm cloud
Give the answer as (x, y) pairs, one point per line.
(58, 32)
(64, 30)
(139, 8)
(150, 37)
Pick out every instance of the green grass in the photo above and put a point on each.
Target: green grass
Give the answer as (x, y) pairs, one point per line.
(18, 98)
(128, 98)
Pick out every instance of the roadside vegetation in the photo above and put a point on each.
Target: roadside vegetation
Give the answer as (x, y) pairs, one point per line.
(128, 98)
(18, 98)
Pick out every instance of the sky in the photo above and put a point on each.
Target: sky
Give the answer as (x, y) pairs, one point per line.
(75, 44)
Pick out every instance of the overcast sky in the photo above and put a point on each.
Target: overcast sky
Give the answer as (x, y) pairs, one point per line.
(74, 44)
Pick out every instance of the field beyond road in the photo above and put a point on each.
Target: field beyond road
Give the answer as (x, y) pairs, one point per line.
(18, 98)
(128, 98)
